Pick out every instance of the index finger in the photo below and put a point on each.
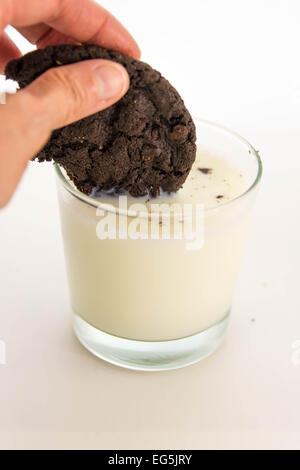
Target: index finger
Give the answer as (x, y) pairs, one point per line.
(82, 20)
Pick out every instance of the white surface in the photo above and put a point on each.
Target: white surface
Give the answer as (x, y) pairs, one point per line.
(236, 63)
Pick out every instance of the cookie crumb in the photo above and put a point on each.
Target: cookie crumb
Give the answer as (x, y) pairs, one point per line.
(205, 171)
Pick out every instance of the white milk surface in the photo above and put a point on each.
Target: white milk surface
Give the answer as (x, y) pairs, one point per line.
(200, 186)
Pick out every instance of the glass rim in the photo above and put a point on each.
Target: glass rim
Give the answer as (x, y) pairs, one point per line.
(91, 201)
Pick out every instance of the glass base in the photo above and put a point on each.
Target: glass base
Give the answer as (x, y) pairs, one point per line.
(150, 355)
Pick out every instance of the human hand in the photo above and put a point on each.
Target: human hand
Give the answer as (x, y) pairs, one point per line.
(28, 117)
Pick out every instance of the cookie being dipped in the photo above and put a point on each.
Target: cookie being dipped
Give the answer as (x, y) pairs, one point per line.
(143, 144)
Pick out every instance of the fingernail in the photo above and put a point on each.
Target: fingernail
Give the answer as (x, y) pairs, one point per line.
(111, 80)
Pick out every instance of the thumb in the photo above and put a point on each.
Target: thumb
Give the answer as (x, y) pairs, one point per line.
(57, 98)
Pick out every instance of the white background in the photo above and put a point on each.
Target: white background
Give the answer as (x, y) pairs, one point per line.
(237, 63)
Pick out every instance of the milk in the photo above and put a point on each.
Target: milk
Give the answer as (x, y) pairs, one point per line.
(155, 290)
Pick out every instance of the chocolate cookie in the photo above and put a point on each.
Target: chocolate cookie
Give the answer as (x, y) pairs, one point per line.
(143, 143)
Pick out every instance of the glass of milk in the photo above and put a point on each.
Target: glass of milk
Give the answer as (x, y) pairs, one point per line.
(152, 280)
